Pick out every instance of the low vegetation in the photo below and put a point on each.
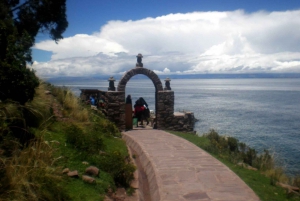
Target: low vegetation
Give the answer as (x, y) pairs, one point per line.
(257, 170)
(55, 131)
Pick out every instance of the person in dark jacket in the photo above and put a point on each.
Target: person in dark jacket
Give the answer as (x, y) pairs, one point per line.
(128, 99)
(146, 112)
(138, 111)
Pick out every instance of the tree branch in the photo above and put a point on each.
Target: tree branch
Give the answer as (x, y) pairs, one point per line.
(18, 7)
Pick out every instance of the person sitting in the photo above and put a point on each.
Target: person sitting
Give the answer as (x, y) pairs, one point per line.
(92, 100)
(93, 103)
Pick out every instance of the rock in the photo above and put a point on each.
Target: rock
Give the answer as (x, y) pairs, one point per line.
(93, 107)
(85, 163)
(47, 92)
(66, 170)
(119, 195)
(251, 168)
(92, 170)
(55, 141)
(73, 174)
(286, 186)
(88, 179)
(246, 166)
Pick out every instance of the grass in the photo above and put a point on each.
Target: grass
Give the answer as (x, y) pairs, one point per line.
(258, 181)
(35, 147)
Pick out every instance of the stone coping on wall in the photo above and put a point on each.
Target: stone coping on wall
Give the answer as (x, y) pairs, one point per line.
(179, 114)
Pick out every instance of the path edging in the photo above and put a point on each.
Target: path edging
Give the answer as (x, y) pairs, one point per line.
(147, 166)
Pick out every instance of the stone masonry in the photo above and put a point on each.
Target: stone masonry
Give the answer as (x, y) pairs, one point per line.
(164, 104)
(115, 107)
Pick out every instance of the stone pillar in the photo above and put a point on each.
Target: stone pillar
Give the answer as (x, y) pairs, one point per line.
(139, 60)
(115, 108)
(167, 84)
(111, 84)
(165, 109)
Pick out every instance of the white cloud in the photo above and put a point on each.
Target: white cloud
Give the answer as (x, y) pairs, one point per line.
(199, 42)
(80, 45)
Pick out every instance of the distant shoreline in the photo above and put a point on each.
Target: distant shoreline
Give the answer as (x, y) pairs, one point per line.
(187, 76)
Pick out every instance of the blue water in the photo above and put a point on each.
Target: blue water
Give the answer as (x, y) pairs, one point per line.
(263, 113)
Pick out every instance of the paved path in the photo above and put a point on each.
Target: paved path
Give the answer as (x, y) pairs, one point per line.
(178, 170)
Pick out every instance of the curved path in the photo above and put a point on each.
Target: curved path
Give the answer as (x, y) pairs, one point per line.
(178, 170)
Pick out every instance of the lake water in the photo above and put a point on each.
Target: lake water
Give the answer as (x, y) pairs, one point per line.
(263, 113)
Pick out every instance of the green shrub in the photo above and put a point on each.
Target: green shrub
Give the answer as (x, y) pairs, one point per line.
(212, 135)
(85, 141)
(233, 144)
(250, 156)
(275, 175)
(103, 126)
(264, 161)
(117, 165)
(235, 151)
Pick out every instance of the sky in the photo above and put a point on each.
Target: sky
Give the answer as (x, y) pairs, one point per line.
(174, 37)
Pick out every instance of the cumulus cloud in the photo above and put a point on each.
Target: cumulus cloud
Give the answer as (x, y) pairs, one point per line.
(198, 42)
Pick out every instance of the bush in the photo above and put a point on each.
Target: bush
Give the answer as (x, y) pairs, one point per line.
(235, 151)
(87, 142)
(117, 165)
(264, 161)
(103, 126)
(233, 144)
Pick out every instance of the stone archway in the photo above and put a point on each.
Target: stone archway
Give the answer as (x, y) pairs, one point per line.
(164, 104)
(150, 74)
(139, 70)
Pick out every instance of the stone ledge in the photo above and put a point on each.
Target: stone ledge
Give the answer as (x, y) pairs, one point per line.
(147, 166)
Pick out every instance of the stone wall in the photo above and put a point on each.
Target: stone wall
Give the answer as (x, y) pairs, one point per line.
(183, 121)
(167, 119)
(165, 109)
(115, 107)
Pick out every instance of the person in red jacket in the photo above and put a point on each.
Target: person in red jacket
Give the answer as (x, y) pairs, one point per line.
(138, 112)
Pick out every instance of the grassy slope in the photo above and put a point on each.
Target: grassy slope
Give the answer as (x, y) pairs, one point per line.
(72, 158)
(260, 184)
(35, 173)
(88, 138)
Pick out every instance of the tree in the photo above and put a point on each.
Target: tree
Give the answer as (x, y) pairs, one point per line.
(20, 22)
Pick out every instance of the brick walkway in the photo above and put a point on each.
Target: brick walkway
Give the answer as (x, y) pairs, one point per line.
(178, 170)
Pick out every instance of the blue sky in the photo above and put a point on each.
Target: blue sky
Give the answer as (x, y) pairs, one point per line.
(175, 36)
